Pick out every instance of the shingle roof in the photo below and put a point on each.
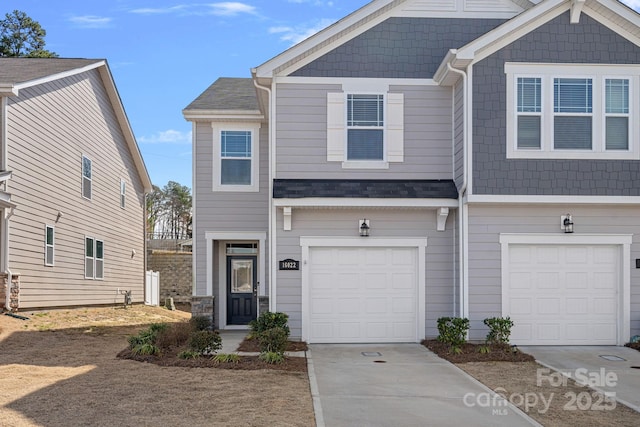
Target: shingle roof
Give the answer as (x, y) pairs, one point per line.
(20, 70)
(365, 188)
(227, 94)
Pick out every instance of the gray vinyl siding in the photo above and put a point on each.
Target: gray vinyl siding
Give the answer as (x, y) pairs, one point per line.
(458, 133)
(487, 222)
(398, 48)
(50, 127)
(224, 211)
(558, 41)
(301, 135)
(384, 223)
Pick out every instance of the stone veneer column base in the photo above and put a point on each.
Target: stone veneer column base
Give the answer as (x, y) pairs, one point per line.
(14, 292)
(203, 306)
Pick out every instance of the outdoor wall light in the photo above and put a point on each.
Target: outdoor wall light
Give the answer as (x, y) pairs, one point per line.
(567, 223)
(363, 225)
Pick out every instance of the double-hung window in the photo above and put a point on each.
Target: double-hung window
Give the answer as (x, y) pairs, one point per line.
(568, 111)
(93, 258)
(235, 158)
(365, 127)
(49, 236)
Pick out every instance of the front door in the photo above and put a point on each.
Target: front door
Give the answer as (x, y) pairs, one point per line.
(242, 289)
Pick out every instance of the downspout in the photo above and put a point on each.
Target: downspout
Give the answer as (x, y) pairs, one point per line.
(462, 206)
(271, 218)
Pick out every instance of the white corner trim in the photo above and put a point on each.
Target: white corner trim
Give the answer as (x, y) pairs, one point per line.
(623, 240)
(286, 212)
(441, 218)
(420, 243)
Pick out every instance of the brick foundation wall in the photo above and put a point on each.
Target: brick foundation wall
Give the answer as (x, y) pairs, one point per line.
(176, 271)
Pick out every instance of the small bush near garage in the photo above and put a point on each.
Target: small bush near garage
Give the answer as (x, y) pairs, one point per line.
(499, 329)
(273, 340)
(269, 320)
(453, 331)
(205, 342)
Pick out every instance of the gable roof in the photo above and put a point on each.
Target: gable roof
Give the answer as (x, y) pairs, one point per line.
(227, 97)
(20, 73)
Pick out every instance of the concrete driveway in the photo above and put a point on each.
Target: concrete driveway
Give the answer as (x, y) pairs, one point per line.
(608, 368)
(399, 385)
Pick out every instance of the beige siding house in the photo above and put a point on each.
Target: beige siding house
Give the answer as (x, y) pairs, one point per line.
(72, 187)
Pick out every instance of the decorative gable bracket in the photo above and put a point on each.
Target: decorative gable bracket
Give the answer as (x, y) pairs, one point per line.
(576, 10)
(441, 218)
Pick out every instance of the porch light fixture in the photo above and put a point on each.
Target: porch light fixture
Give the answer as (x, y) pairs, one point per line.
(567, 223)
(364, 228)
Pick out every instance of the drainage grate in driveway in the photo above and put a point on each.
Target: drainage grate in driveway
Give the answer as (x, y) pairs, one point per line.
(371, 354)
(612, 358)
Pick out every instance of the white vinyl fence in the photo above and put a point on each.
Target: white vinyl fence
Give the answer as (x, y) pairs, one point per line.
(152, 288)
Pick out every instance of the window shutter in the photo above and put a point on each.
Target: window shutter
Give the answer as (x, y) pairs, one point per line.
(335, 127)
(395, 127)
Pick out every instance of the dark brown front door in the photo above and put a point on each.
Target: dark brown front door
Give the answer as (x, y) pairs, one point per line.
(241, 289)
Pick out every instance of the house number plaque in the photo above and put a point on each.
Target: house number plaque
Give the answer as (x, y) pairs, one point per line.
(289, 264)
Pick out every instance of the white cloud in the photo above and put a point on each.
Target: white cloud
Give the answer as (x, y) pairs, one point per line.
(159, 10)
(634, 4)
(219, 9)
(91, 21)
(299, 33)
(170, 136)
(314, 2)
(231, 8)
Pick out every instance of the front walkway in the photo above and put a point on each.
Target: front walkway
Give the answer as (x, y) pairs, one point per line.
(405, 385)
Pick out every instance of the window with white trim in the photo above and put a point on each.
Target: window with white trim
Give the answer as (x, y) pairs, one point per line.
(236, 158)
(93, 258)
(49, 242)
(86, 177)
(567, 111)
(123, 193)
(365, 129)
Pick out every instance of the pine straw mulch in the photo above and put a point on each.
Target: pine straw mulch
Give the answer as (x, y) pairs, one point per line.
(251, 345)
(471, 353)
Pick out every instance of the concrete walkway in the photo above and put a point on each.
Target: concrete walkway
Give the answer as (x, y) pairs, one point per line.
(405, 385)
(617, 376)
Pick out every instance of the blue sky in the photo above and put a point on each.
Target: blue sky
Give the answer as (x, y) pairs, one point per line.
(164, 53)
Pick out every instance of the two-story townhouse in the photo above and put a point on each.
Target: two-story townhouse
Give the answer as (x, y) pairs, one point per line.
(72, 199)
(426, 159)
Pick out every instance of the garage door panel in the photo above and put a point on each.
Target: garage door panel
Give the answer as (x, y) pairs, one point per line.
(571, 297)
(369, 296)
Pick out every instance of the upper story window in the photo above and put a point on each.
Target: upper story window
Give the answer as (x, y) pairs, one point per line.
(572, 111)
(123, 193)
(86, 177)
(365, 129)
(235, 158)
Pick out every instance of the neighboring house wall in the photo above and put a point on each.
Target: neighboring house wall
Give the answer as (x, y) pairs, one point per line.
(224, 211)
(398, 48)
(50, 128)
(385, 223)
(301, 134)
(558, 41)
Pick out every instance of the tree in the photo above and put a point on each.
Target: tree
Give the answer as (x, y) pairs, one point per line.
(155, 206)
(22, 36)
(177, 200)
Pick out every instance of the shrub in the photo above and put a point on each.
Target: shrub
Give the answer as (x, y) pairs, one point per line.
(273, 340)
(269, 320)
(188, 354)
(176, 335)
(200, 323)
(205, 342)
(226, 358)
(146, 349)
(147, 336)
(453, 330)
(499, 329)
(271, 357)
(484, 349)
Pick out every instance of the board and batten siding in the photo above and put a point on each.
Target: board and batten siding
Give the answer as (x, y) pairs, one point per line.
(384, 223)
(50, 127)
(487, 222)
(301, 134)
(225, 211)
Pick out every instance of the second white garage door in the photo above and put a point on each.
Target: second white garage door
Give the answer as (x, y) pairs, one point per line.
(359, 295)
(563, 294)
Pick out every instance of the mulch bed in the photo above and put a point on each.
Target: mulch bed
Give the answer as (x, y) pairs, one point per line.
(471, 353)
(246, 363)
(251, 345)
(633, 345)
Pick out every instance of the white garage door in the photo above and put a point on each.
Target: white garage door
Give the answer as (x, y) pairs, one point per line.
(362, 294)
(563, 294)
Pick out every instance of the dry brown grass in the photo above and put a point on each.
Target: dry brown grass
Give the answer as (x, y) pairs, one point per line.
(59, 368)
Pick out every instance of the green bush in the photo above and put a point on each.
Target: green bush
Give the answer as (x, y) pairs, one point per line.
(146, 349)
(273, 340)
(147, 336)
(200, 323)
(226, 358)
(499, 329)
(453, 330)
(269, 320)
(271, 357)
(176, 335)
(188, 354)
(205, 342)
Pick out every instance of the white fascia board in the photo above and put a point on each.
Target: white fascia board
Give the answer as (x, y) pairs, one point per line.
(302, 49)
(228, 115)
(347, 81)
(551, 200)
(620, 24)
(7, 89)
(123, 120)
(354, 202)
(619, 9)
(58, 76)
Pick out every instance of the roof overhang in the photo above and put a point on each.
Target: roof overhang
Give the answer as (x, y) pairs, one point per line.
(355, 202)
(224, 115)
